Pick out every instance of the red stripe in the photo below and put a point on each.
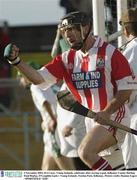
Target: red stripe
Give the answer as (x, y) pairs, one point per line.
(114, 84)
(84, 68)
(71, 57)
(120, 115)
(108, 167)
(102, 90)
(67, 75)
(98, 163)
(101, 164)
(117, 117)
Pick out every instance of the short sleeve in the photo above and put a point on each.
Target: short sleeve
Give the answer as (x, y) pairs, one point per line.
(121, 72)
(52, 72)
(56, 67)
(120, 66)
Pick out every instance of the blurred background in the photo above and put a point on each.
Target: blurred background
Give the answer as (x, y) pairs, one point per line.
(32, 25)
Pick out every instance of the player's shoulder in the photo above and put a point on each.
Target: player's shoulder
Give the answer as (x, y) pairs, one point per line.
(34, 87)
(67, 54)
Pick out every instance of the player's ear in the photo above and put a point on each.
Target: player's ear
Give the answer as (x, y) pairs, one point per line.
(87, 27)
(126, 32)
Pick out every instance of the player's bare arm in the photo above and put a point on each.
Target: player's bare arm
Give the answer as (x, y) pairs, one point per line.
(52, 123)
(12, 56)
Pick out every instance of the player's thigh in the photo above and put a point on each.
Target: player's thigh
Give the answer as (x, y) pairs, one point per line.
(48, 162)
(97, 139)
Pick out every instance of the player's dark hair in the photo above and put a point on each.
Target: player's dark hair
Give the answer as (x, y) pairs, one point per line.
(132, 28)
(78, 17)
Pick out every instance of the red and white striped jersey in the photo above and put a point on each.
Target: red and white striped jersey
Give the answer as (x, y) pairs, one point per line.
(94, 77)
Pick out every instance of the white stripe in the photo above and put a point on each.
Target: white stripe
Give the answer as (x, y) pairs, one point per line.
(121, 114)
(92, 57)
(48, 77)
(77, 58)
(105, 166)
(65, 58)
(77, 68)
(92, 67)
(127, 83)
(95, 100)
(109, 86)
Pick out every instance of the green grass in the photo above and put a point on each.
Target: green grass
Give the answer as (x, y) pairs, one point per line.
(41, 58)
(38, 57)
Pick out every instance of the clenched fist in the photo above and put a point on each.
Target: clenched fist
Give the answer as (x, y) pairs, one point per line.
(11, 54)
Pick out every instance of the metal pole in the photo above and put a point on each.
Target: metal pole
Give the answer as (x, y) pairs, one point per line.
(98, 18)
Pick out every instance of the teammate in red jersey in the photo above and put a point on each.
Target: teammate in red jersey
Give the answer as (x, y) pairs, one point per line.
(99, 77)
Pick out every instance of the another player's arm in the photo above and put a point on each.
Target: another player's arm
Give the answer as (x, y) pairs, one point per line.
(56, 46)
(52, 123)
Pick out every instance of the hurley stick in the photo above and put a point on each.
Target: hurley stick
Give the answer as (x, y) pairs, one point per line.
(67, 101)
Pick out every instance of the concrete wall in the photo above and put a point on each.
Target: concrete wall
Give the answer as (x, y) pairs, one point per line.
(33, 38)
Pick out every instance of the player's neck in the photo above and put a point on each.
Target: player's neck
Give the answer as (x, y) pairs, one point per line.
(88, 44)
(131, 37)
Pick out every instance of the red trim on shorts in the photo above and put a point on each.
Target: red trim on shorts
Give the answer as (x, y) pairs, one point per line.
(101, 164)
(119, 117)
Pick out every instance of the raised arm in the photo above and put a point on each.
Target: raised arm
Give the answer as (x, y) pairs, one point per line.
(11, 54)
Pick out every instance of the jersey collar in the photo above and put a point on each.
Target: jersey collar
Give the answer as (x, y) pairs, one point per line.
(98, 43)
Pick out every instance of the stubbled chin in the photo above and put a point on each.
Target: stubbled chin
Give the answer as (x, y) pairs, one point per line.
(77, 46)
(71, 44)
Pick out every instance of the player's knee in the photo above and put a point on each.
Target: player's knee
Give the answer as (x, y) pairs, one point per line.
(83, 153)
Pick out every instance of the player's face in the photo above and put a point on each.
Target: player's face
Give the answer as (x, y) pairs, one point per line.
(125, 32)
(73, 35)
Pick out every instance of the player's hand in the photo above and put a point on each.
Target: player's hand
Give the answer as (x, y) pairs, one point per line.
(11, 52)
(102, 117)
(43, 126)
(67, 131)
(52, 126)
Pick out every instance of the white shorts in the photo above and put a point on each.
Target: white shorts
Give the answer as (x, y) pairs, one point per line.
(129, 146)
(48, 141)
(122, 116)
(70, 144)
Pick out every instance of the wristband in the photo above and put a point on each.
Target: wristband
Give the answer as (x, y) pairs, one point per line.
(15, 62)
